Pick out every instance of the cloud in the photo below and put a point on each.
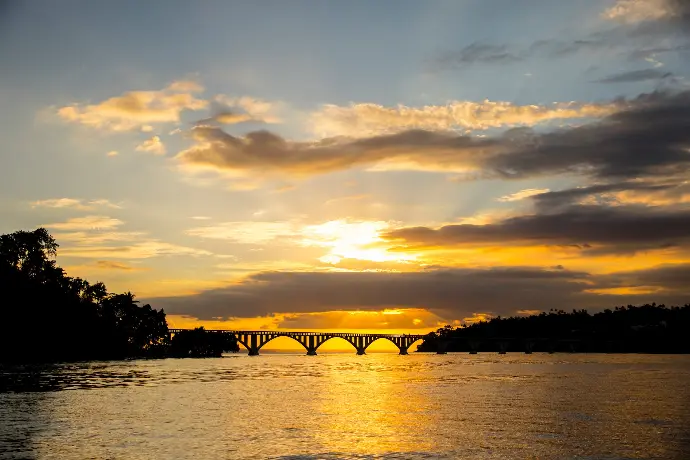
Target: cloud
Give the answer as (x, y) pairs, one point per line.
(82, 205)
(366, 119)
(475, 53)
(112, 153)
(247, 232)
(185, 86)
(406, 319)
(522, 194)
(649, 53)
(635, 76)
(152, 145)
(112, 265)
(135, 110)
(634, 11)
(98, 237)
(663, 193)
(641, 23)
(647, 137)
(592, 228)
(86, 223)
(448, 293)
(138, 250)
(345, 199)
(232, 110)
(667, 277)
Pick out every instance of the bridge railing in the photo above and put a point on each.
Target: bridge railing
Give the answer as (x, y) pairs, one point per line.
(332, 334)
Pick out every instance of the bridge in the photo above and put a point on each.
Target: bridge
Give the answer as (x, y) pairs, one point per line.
(253, 341)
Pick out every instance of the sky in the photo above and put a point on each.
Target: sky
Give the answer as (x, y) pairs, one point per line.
(381, 166)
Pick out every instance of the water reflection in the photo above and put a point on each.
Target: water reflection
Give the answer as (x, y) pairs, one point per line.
(345, 406)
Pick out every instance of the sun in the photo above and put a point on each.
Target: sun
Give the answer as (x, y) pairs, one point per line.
(359, 240)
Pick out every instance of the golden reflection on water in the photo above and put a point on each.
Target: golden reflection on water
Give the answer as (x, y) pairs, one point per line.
(344, 406)
(372, 409)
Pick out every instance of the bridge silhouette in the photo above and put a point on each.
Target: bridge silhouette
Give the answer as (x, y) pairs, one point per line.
(253, 341)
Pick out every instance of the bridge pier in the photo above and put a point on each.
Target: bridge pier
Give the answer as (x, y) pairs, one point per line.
(404, 343)
(254, 341)
(311, 348)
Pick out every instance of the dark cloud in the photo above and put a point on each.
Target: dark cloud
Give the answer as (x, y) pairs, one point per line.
(475, 53)
(670, 278)
(554, 200)
(646, 53)
(263, 151)
(448, 293)
(454, 290)
(649, 136)
(648, 139)
(635, 76)
(605, 229)
(621, 37)
(555, 48)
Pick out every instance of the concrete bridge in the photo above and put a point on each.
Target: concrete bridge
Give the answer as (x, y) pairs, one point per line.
(311, 341)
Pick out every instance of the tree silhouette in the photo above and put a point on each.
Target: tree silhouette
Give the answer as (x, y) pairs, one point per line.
(649, 328)
(49, 316)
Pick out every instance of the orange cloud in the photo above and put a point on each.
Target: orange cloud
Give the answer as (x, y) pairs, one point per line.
(137, 109)
(367, 119)
(633, 11)
(152, 145)
(86, 223)
(522, 194)
(73, 203)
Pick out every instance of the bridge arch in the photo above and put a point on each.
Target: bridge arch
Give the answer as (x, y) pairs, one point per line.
(402, 343)
(295, 337)
(347, 339)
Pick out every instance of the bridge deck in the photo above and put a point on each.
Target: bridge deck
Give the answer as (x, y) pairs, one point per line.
(331, 334)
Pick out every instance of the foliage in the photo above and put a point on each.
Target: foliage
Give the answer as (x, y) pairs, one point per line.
(49, 316)
(199, 343)
(644, 329)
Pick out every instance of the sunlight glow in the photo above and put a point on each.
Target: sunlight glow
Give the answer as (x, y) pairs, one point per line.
(352, 240)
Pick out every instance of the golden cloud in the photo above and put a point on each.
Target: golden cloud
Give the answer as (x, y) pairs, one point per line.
(633, 11)
(247, 232)
(86, 223)
(153, 145)
(522, 194)
(255, 109)
(366, 119)
(137, 109)
(112, 265)
(73, 203)
(139, 250)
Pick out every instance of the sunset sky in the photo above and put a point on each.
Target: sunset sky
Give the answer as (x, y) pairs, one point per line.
(316, 165)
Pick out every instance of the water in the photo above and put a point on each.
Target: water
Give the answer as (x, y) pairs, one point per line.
(347, 406)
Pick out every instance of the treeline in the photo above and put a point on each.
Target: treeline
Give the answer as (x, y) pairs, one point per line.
(632, 329)
(47, 316)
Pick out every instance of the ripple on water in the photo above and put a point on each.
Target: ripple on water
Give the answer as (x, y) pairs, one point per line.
(377, 406)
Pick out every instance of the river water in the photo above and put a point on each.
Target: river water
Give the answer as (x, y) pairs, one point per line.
(348, 406)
